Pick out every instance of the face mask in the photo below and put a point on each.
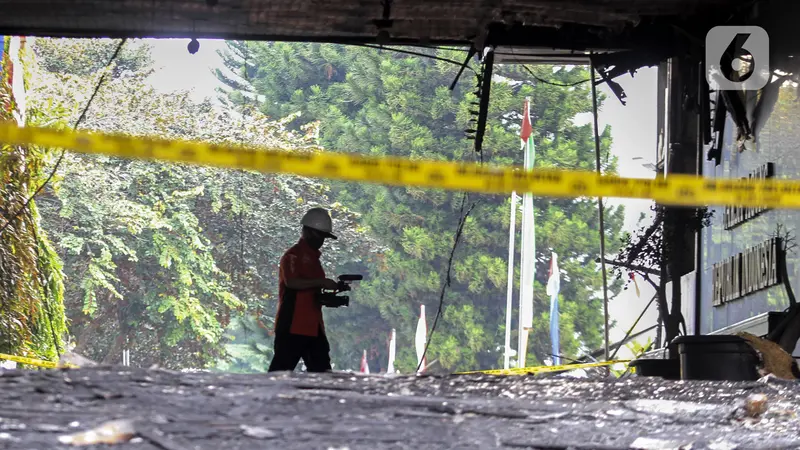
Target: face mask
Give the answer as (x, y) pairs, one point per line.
(315, 241)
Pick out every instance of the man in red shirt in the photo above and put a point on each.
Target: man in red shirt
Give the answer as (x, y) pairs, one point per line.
(299, 328)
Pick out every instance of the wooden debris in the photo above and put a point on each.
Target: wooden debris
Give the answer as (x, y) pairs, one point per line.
(755, 405)
(72, 360)
(774, 359)
(114, 432)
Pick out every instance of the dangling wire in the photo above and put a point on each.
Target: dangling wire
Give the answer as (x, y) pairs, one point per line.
(553, 83)
(242, 174)
(81, 118)
(75, 127)
(462, 220)
(459, 230)
(46, 291)
(600, 213)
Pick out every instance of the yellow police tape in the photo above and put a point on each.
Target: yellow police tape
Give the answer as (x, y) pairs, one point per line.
(545, 369)
(35, 362)
(675, 190)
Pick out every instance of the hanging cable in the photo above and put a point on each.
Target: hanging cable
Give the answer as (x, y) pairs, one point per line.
(552, 83)
(630, 330)
(46, 292)
(409, 52)
(456, 239)
(464, 65)
(75, 127)
(600, 214)
(462, 220)
(463, 214)
(574, 361)
(524, 66)
(242, 174)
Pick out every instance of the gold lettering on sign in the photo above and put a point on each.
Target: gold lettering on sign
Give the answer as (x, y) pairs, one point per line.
(747, 283)
(715, 297)
(722, 282)
(728, 277)
(762, 281)
(773, 262)
(715, 285)
(728, 272)
(752, 270)
(737, 275)
(747, 272)
(737, 215)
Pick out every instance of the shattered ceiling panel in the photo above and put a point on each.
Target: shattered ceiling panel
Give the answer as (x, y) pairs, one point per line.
(411, 20)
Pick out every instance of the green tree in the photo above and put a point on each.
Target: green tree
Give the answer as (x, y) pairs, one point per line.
(249, 349)
(386, 103)
(31, 287)
(88, 56)
(161, 257)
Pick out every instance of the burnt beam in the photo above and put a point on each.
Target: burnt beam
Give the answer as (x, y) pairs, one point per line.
(583, 37)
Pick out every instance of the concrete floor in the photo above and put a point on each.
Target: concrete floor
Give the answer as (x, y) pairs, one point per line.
(181, 411)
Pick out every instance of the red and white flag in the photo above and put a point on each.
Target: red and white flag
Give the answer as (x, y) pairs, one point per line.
(635, 284)
(364, 364)
(421, 339)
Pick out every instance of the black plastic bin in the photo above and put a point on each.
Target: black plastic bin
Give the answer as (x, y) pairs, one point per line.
(669, 369)
(716, 357)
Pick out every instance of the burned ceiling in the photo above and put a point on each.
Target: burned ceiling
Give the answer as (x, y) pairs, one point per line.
(520, 22)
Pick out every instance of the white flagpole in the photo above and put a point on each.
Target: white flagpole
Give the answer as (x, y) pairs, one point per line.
(364, 363)
(510, 290)
(392, 351)
(421, 338)
(528, 258)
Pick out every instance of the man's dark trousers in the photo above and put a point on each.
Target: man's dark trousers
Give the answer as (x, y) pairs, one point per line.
(290, 348)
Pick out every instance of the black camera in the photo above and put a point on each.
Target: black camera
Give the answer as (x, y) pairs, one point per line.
(331, 299)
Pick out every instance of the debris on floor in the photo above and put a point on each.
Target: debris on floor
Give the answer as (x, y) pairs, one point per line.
(114, 432)
(159, 409)
(774, 359)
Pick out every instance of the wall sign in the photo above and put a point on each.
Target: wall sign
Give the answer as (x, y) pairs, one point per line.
(737, 215)
(752, 270)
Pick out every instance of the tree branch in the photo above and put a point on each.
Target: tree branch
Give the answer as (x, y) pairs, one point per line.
(630, 266)
(652, 283)
(637, 248)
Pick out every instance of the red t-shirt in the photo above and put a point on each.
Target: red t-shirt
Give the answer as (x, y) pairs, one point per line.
(304, 312)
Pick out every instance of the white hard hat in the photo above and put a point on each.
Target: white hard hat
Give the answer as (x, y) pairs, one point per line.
(320, 220)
